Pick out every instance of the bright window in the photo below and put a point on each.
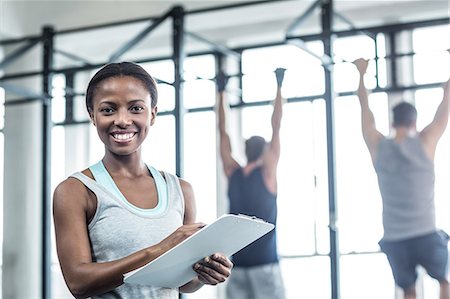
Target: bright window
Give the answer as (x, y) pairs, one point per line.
(163, 70)
(302, 199)
(356, 278)
(199, 93)
(58, 98)
(307, 277)
(199, 89)
(200, 162)
(431, 63)
(159, 147)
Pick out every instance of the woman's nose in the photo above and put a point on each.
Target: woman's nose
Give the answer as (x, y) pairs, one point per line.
(122, 119)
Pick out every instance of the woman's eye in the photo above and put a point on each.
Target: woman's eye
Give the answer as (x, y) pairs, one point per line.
(137, 108)
(107, 110)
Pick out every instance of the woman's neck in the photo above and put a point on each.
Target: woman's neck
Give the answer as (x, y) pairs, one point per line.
(127, 165)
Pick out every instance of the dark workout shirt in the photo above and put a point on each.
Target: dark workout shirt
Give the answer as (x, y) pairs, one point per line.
(248, 195)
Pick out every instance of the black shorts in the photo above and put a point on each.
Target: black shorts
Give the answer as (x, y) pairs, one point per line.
(430, 251)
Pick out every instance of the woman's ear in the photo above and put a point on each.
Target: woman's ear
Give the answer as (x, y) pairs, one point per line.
(153, 114)
(91, 116)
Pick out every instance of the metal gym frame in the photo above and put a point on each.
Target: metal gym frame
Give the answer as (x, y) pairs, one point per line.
(177, 15)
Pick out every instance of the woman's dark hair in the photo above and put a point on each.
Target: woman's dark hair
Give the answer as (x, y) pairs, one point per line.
(118, 70)
(254, 148)
(405, 115)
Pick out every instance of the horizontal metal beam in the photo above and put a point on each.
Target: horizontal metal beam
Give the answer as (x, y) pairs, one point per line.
(402, 88)
(297, 256)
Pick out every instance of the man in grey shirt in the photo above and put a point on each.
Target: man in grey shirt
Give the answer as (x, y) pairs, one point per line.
(405, 168)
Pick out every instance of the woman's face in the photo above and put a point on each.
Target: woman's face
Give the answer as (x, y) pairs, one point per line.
(122, 113)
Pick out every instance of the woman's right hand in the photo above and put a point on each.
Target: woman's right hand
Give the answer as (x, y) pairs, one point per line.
(179, 235)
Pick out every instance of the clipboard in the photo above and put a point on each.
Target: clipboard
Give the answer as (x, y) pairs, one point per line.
(227, 235)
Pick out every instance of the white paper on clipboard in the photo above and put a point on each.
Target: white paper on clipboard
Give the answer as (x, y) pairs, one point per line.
(228, 234)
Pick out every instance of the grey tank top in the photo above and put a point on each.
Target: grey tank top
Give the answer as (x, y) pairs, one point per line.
(119, 229)
(406, 181)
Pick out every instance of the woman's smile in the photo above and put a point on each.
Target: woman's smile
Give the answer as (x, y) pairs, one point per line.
(123, 137)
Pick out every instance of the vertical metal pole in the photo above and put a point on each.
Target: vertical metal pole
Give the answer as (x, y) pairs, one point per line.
(69, 97)
(241, 95)
(178, 59)
(219, 59)
(393, 61)
(327, 27)
(377, 68)
(48, 34)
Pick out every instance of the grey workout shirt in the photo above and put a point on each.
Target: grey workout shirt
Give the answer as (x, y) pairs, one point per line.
(406, 180)
(119, 229)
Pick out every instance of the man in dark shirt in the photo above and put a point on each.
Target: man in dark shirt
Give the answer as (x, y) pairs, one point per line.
(252, 190)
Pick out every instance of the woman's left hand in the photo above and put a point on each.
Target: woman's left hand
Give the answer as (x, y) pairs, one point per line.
(213, 269)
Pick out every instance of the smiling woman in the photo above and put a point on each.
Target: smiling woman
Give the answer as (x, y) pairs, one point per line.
(122, 112)
(120, 214)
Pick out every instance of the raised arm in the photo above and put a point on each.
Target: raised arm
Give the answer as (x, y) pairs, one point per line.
(431, 134)
(370, 133)
(229, 164)
(272, 153)
(85, 277)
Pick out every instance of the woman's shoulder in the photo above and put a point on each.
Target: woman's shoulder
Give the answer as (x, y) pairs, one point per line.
(185, 185)
(69, 189)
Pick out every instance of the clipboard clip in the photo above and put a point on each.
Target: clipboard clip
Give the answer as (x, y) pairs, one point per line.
(252, 217)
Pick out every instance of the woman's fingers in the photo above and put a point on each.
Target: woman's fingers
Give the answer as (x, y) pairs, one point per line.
(213, 269)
